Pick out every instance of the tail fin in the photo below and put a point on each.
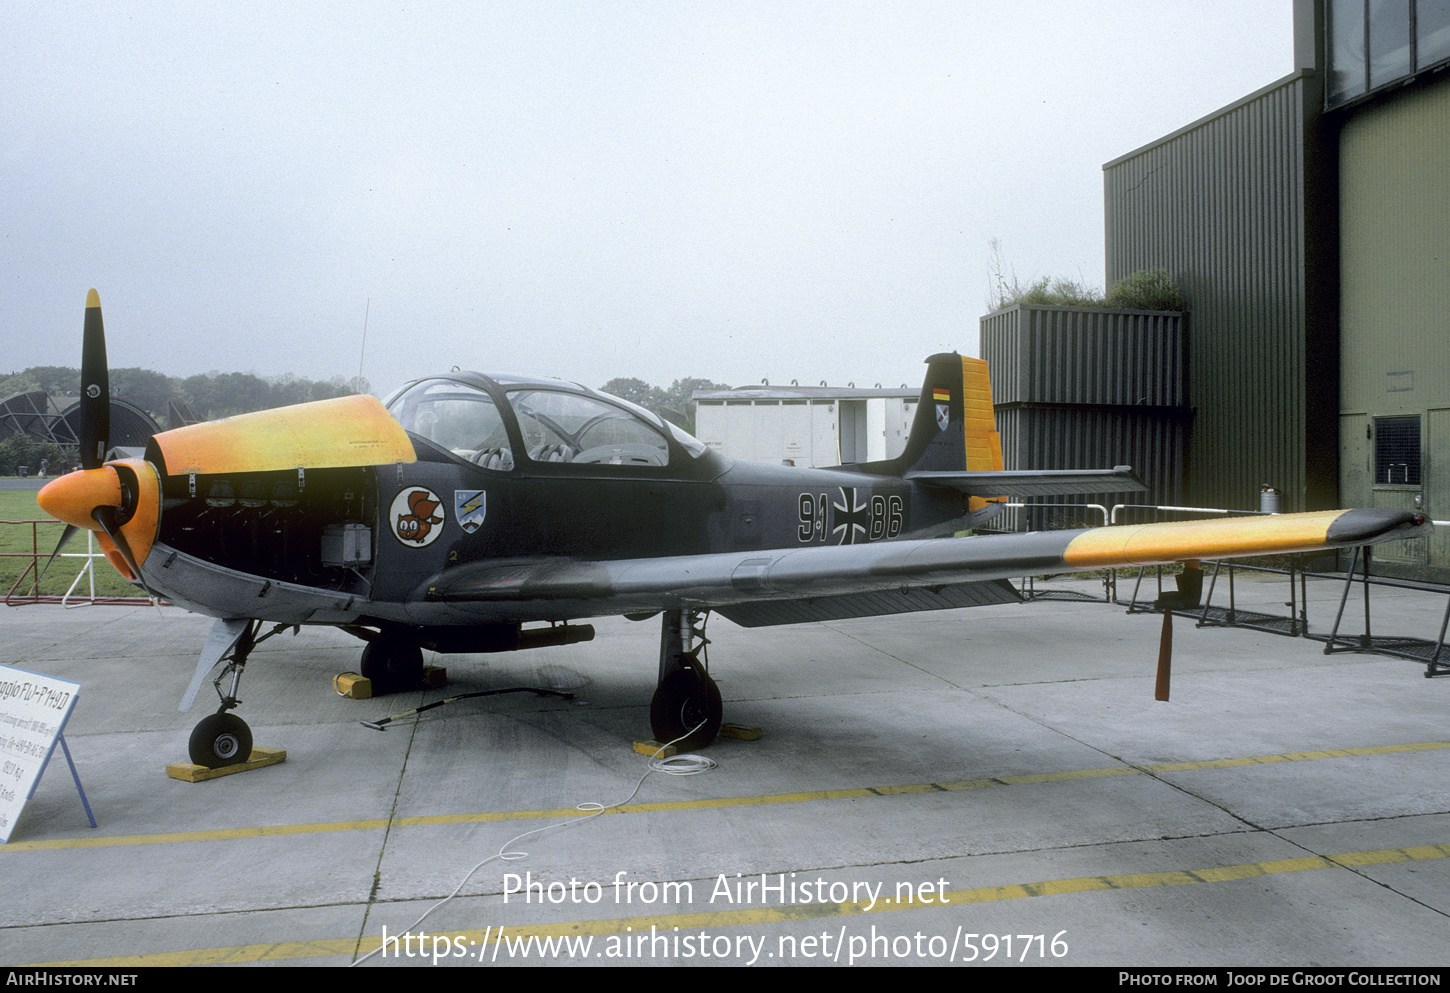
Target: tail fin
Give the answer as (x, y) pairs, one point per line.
(955, 429)
(954, 444)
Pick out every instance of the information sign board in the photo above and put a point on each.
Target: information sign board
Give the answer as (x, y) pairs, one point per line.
(33, 712)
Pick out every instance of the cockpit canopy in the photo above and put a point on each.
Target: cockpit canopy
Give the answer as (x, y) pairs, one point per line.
(496, 423)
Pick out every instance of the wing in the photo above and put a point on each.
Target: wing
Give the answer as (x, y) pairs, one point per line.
(920, 574)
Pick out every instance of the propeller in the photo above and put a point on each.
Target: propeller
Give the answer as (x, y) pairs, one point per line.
(95, 407)
(100, 497)
(110, 520)
(1189, 592)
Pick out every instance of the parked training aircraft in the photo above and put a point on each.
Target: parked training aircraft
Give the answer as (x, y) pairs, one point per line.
(488, 513)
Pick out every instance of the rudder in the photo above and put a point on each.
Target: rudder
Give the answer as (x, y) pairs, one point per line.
(979, 420)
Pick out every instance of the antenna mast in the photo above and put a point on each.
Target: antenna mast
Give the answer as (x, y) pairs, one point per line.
(364, 351)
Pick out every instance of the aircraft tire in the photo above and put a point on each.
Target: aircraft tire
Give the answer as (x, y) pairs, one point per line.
(219, 740)
(683, 699)
(392, 665)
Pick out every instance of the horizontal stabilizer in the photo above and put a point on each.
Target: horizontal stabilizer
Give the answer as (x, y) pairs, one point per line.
(1037, 482)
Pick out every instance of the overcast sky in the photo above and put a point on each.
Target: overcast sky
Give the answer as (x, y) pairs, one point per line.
(734, 190)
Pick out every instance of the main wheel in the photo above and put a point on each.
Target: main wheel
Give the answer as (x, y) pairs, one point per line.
(221, 739)
(686, 706)
(392, 665)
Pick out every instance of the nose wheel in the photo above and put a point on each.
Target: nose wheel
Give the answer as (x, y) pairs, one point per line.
(223, 738)
(220, 740)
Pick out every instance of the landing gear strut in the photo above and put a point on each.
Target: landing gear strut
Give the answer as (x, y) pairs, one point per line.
(686, 704)
(225, 739)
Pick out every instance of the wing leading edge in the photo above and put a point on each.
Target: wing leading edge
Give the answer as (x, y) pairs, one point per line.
(724, 580)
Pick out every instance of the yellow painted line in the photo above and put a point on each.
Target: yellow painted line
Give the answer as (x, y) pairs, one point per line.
(848, 793)
(757, 916)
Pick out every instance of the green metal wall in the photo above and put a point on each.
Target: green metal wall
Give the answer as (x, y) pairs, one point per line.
(1234, 207)
(1394, 157)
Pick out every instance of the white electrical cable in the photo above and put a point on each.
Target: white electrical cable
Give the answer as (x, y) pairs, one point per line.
(690, 765)
(681, 765)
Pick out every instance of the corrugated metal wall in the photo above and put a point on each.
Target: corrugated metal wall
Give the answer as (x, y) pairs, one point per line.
(1090, 389)
(1233, 207)
(1066, 355)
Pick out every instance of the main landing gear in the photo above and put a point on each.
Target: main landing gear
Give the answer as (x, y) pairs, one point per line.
(686, 704)
(392, 663)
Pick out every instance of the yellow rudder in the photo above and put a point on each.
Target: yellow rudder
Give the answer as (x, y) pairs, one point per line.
(979, 421)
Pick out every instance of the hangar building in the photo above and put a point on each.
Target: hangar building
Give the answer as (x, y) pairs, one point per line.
(806, 425)
(1308, 226)
(41, 417)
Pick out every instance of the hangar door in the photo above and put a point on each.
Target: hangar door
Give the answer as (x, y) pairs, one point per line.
(1394, 209)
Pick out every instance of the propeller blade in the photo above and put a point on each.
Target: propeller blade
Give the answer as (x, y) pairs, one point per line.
(65, 536)
(95, 388)
(106, 518)
(1165, 658)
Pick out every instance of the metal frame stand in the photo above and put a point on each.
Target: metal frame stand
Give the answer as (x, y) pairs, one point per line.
(77, 777)
(1415, 649)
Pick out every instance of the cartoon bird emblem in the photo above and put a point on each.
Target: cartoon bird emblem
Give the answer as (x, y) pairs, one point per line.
(416, 526)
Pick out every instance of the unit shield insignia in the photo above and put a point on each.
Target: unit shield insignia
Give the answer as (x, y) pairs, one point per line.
(943, 406)
(470, 506)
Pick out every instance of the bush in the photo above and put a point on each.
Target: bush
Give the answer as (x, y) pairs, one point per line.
(22, 450)
(1152, 289)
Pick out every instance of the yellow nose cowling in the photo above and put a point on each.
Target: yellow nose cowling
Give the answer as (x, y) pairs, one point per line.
(74, 498)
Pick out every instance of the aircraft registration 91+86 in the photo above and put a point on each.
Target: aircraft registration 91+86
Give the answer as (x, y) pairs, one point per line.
(478, 513)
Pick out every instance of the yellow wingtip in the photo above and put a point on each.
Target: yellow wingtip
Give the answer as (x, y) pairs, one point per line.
(93, 299)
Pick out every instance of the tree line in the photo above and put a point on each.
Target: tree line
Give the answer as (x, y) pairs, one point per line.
(218, 394)
(673, 404)
(211, 395)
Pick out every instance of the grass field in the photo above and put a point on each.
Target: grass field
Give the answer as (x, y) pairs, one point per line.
(17, 543)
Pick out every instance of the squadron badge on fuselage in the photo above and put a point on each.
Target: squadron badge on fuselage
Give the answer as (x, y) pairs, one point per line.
(415, 516)
(470, 506)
